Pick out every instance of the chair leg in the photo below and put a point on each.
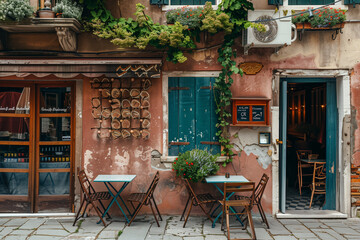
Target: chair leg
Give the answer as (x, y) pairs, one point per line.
(263, 216)
(222, 217)
(79, 211)
(312, 195)
(207, 214)
(227, 221)
(300, 177)
(251, 223)
(183, 213)
(104, 209)
(152, 209)
(137, 209)
(157, 209)
(98, 213)
(187, 216)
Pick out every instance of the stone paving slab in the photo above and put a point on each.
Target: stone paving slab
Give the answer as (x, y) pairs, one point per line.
(197, 228)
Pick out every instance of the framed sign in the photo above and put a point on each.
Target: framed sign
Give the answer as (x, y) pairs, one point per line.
(250, 111)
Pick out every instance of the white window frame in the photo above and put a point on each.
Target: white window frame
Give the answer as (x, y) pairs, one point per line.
(286, 6)
(165, 158)
(170, 7)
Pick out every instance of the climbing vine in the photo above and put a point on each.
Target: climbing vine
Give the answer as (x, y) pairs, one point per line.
(176, 39)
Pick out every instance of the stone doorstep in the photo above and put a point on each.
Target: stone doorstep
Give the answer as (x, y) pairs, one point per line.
(313, 214)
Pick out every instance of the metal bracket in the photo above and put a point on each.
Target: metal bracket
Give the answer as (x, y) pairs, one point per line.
(334, 35)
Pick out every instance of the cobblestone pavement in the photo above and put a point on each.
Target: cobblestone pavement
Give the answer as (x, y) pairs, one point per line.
(197, 228)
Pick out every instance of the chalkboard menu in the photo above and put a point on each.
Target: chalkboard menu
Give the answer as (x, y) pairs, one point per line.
(243, 113)
(258, 113)
(251, 111)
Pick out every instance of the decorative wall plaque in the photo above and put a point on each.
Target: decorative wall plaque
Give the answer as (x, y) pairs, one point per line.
(251, 68)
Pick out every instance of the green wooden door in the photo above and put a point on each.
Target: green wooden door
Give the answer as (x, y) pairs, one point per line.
(192, 117)
(331, 145)
(282, 147)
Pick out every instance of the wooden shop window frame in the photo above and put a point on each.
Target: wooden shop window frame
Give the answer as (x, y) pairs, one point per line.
(249, 106)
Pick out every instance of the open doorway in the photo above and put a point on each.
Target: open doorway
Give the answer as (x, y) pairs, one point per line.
(306, 146)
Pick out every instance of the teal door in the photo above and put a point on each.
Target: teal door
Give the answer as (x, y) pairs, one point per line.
(192, 117)
(331, 139)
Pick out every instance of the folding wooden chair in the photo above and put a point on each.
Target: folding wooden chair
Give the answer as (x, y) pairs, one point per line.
(302, 154)
(246, 203)
(259, 191)
(318, 185)
(90, 196)
(145, 199)
(197, 200)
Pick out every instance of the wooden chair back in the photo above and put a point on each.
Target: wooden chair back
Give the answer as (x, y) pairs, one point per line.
(85, 184)
(260, 188)
(319, 176)
(303, 154)
(191, 191)
(240, 187)
(151, 189)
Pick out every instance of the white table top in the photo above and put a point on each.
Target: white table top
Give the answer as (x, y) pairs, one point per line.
(114, 178)
(223, 179)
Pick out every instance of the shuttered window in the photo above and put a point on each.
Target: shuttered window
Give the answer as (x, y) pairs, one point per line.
(192, 117)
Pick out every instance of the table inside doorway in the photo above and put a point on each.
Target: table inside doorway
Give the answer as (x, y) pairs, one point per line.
(107, 180)
(222, 179)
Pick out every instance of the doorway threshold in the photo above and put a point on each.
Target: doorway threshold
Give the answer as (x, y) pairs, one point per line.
(311, 214)
(36, 215)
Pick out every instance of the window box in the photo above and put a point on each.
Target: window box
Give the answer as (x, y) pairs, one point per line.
(307, 26)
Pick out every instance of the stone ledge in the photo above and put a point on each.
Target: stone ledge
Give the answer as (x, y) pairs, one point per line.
(171, 159)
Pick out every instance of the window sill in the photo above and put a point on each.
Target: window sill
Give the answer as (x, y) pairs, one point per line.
(171, 159)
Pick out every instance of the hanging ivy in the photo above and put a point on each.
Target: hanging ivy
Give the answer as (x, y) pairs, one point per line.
(176, 39)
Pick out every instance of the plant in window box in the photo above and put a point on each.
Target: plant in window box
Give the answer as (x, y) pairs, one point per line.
(15, 10)
(195, 165)
(68, 9)
(188, 16)
(326, 17)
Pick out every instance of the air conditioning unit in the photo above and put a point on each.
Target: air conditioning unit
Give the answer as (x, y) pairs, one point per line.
(278, 30)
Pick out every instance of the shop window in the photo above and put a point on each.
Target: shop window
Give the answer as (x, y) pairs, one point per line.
(192, 117)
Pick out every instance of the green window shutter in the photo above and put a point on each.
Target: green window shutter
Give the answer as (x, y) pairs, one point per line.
(275, 2)
(192, 116)
(181, 114)
(310, 2)
(159, 2)
(173, 115)
(206, 118)
(354, 2)
(191, 2)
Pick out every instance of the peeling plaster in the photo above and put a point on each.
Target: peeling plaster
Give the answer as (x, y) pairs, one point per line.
(247, 140)
(143, 153)
(87, 163)
(122, 161)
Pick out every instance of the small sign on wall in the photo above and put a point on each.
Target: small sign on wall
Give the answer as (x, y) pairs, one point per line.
(250, 111)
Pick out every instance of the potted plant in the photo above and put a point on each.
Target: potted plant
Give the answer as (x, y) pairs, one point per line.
(68, 9)
(195, 165)
(15, 10)
(323, 18)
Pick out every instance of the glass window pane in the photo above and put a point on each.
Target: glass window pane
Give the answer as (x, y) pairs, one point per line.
(55, 100)
(13, 183)
(13, 156)
(55, 156)
(55, 129)
(14, 129)
(15, 100)
(54, 183)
